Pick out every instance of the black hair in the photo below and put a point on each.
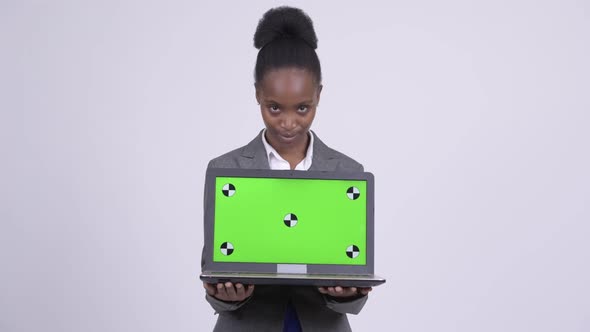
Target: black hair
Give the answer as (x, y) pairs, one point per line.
(285, 38)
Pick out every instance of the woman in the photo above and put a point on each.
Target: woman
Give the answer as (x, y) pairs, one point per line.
(288, 87)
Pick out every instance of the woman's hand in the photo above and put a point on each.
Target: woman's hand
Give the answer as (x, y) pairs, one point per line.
(343, 292)
(229, 292)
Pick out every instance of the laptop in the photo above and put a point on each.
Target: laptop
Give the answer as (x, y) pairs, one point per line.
(289, 228)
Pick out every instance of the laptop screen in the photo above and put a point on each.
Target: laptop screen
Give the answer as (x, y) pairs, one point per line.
(290, 221)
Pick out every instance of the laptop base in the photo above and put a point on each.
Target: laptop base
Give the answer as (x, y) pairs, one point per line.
(318, 280)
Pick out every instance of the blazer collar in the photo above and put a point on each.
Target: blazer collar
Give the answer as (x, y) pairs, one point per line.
(254, 155)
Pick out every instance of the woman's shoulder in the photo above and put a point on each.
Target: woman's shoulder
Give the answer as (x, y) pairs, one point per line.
(226, 160)
(323, 152)
(232, 158)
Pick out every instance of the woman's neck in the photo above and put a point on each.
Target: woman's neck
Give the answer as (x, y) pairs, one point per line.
(295, 154)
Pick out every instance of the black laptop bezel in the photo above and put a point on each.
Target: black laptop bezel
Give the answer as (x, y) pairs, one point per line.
(209, 219)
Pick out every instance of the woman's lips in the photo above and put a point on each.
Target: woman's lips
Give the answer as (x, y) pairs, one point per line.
(288, 137)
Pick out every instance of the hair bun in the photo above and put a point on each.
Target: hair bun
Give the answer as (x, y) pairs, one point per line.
(285, 22)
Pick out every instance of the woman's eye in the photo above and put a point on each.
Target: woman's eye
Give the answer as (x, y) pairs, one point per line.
(302, 109)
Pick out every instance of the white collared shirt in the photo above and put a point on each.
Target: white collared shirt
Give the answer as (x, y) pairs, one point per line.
(276, 162)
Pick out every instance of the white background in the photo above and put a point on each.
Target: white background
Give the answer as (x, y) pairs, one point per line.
(473, 116)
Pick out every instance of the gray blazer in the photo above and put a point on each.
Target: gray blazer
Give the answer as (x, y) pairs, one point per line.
(265, 309)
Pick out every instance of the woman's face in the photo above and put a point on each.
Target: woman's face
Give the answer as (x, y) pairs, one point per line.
(288, 98)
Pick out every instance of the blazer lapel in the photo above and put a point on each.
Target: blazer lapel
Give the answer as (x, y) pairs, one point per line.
(324, 158)
(253, 155)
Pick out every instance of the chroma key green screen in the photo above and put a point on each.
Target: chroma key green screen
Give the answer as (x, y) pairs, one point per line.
(290, 221)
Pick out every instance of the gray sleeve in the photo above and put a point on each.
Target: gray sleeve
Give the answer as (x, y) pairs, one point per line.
(348, 307)
(221, 306)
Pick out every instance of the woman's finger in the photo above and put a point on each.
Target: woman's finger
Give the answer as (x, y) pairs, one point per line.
(231, 291)
(240, 291)
(249, 291)
(210, 288)
(221, 292)
(365, 291)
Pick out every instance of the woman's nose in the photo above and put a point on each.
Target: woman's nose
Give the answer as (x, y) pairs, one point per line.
(289, 122)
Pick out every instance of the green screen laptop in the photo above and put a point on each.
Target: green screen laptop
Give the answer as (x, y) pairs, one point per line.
(289, 227)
